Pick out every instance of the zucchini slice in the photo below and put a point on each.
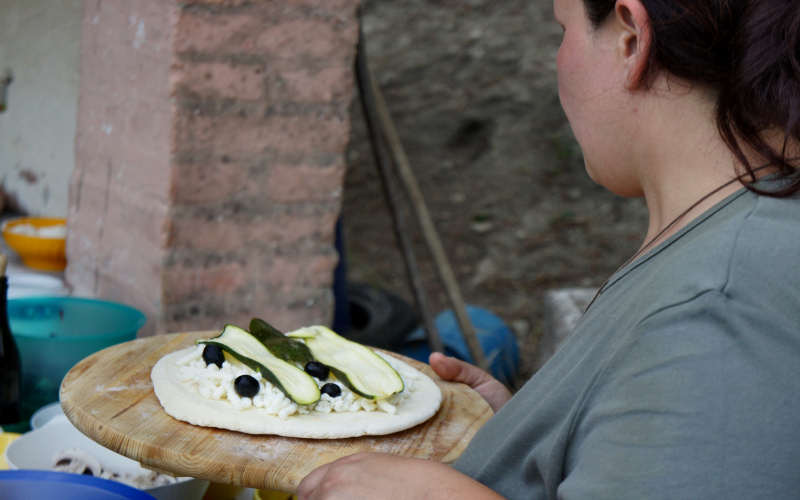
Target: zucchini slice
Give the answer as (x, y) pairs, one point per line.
(294, 382)
(286, 348)
(355, 365)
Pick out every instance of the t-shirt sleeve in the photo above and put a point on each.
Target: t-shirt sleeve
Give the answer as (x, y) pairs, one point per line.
(701, 404)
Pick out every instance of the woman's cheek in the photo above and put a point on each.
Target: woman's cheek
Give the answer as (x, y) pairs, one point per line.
(566, 77)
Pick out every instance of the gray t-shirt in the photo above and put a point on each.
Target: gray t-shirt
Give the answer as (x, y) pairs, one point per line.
(682, 381)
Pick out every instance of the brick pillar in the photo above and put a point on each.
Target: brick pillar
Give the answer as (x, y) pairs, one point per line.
(210, 158)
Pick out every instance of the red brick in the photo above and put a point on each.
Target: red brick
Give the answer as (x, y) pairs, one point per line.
(206, 33)
(328, 5)
(278, 308)
(288, 183)
(182, 283)
(285, 230)
(219, 79)
(233, 135)
(223, 236)
(218, 235)
(307, 37)
(296, 308)
(277, 314)
(208, 182)
(138, 154)
(332, 6)
(197, 324)
(287, 273)
(246, 33)
(226, 3)
(327, 84)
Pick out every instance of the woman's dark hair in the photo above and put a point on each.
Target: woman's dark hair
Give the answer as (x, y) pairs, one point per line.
(749, 51)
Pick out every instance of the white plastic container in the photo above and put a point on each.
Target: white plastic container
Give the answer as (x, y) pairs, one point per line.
(36, 449)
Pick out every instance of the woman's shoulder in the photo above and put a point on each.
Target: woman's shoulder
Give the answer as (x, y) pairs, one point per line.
(764, 254)
(750, 242)
(726, 278)
(743, 221)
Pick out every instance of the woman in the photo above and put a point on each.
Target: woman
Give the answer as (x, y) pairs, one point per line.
(680, 380)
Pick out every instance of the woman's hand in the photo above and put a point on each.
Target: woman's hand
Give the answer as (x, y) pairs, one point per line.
(455, 370)
(380, 475)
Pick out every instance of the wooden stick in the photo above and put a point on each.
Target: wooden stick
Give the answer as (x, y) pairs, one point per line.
(391, 195)
(426, 223)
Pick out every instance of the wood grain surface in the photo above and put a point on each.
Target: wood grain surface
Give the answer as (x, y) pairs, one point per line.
(109, 397)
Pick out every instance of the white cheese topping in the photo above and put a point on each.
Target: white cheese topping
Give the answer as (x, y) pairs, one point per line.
(213, 382)
(53, 231)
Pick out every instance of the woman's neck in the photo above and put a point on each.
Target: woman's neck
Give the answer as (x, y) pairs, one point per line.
(685, 166)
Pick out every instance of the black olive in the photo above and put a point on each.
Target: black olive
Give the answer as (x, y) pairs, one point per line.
(317, 369)
(213, 354)
(246, 386)
(331, 390)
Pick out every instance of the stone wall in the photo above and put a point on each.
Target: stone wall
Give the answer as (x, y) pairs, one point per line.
(210, 158)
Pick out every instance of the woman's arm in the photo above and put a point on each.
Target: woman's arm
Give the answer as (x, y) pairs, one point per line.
(380, 475)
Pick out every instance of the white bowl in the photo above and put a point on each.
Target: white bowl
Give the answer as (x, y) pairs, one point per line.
(30, 284)
(35, 450)
(45, 414)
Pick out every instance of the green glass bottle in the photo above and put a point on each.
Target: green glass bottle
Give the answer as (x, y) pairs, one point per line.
(10, 378)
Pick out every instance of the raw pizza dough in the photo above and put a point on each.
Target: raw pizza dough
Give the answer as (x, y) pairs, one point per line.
(180, 401)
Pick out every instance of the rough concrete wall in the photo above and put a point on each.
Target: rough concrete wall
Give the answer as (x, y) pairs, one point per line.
(211, 158)
(39, 43)
(119, 193)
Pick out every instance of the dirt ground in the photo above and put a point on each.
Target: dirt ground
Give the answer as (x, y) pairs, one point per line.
(472, 90)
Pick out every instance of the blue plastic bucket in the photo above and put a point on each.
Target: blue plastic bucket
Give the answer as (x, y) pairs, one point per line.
(24, 484)
(497, 341)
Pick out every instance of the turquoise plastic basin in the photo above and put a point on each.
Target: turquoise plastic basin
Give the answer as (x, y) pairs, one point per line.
(54, 333)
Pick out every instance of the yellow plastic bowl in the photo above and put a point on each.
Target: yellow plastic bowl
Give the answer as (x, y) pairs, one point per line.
(5, 440)
(272, 495)
(42, 253)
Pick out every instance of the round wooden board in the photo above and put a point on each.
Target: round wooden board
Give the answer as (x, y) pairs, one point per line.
(109, 397)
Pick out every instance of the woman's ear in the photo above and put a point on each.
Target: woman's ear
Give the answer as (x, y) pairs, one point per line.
(635, 39)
